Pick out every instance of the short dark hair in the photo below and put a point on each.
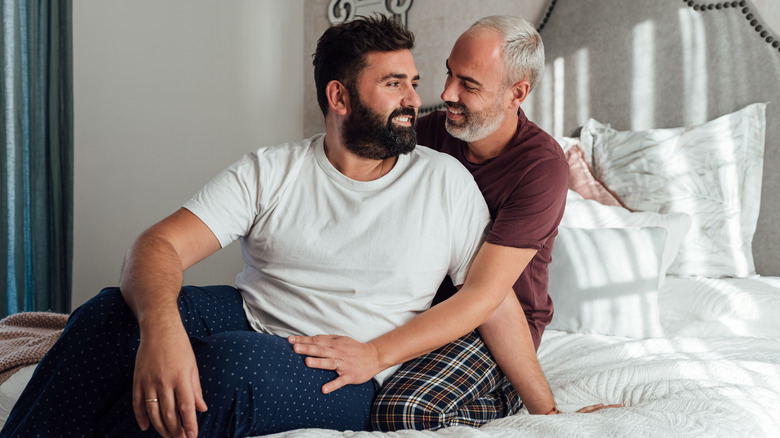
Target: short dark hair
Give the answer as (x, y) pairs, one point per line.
(341, 50)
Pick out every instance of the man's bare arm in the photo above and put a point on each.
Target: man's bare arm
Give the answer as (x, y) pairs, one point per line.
(508, 338)
(482, 293)
(165, 364)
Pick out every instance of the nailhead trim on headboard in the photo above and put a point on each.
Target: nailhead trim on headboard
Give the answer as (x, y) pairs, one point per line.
(547, 15)
(762, 32)
(760, 29)
(698, 6)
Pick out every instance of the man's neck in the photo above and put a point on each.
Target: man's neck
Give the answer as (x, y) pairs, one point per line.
(353, 166)
(494, 144)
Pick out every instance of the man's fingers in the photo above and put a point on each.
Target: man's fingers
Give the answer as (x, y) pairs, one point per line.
(322, 363)
(312, 350)
(153, 412)
(169, 411)
(587, 409)
(598, 407)
(321, 340)
(200, 403)
(186, 411)
(334, 385)
(139, 409)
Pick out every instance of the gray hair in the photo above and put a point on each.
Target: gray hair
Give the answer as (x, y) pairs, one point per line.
(523, 49)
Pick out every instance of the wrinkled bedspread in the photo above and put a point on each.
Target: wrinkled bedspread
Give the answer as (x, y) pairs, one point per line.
(677, 387)
(716, 374)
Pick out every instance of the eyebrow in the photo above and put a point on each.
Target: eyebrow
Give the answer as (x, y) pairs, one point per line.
(464, 78)
(399, 76)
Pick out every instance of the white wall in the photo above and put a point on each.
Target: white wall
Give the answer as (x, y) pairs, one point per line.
(166, 95)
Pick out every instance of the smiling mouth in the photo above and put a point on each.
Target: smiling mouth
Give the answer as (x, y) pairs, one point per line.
(403, 119)
(453, 113)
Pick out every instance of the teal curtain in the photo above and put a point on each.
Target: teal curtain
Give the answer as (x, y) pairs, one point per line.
(36, 168)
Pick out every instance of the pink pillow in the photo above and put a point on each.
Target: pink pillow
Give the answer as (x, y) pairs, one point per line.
(582, 180)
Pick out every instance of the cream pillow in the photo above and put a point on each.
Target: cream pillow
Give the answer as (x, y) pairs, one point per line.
(608, 265)
(606, 281)
(711, 171)
(586, 213)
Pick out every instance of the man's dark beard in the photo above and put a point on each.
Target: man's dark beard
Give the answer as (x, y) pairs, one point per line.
(367, 135)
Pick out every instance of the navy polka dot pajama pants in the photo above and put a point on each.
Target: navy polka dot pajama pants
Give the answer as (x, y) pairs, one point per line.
(253, 383)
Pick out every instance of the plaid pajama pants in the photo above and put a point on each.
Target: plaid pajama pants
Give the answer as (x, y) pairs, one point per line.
(458, 384)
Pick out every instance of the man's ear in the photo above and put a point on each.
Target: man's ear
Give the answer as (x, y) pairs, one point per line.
(519, 92)
(338, 97)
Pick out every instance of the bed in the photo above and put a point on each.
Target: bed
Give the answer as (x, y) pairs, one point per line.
(665, 274)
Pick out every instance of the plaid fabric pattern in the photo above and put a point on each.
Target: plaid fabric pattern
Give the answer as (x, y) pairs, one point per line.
(458, 384)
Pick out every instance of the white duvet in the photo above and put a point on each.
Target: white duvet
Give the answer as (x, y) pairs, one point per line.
(715, 374)
(678, 387)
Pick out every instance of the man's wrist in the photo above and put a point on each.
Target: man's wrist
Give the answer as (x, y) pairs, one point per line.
(379, 361)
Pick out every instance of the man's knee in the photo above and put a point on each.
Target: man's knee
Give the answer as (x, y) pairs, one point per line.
(107, 307)
(398, 411)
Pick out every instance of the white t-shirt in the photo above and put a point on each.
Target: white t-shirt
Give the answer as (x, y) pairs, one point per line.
(325, 254)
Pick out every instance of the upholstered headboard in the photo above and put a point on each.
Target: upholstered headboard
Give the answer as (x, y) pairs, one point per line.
(639, 64)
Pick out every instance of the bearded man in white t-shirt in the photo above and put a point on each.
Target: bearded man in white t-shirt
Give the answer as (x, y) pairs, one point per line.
(345, 236)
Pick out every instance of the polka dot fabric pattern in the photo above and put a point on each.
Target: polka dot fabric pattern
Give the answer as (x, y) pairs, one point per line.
(253, 383)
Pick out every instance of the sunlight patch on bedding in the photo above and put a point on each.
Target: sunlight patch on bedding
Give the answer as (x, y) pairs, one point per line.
(729, 174)
(594, 273)
(643, 87)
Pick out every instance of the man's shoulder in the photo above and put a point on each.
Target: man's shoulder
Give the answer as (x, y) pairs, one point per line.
(529, 133)
(438, 161)
(290, 149)
(270, 163)
(534, 147)
(440, 172)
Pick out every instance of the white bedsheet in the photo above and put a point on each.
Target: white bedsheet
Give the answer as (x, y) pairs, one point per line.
(721, 307)
(679, 387)
(715, 374)
(718, 383)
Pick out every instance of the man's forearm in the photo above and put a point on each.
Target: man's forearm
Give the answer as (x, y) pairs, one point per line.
(494, 270)
(437, 326)
(508, 338)
(151, 279)
(152, 273)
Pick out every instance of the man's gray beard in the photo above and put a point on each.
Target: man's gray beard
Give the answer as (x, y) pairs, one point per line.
(473, 130)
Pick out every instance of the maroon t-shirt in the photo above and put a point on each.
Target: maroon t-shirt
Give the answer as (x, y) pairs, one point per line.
(525, 190)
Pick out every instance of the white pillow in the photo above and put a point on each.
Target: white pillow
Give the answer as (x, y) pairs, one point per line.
(711, 172)
(585, 213)
(606, 281)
